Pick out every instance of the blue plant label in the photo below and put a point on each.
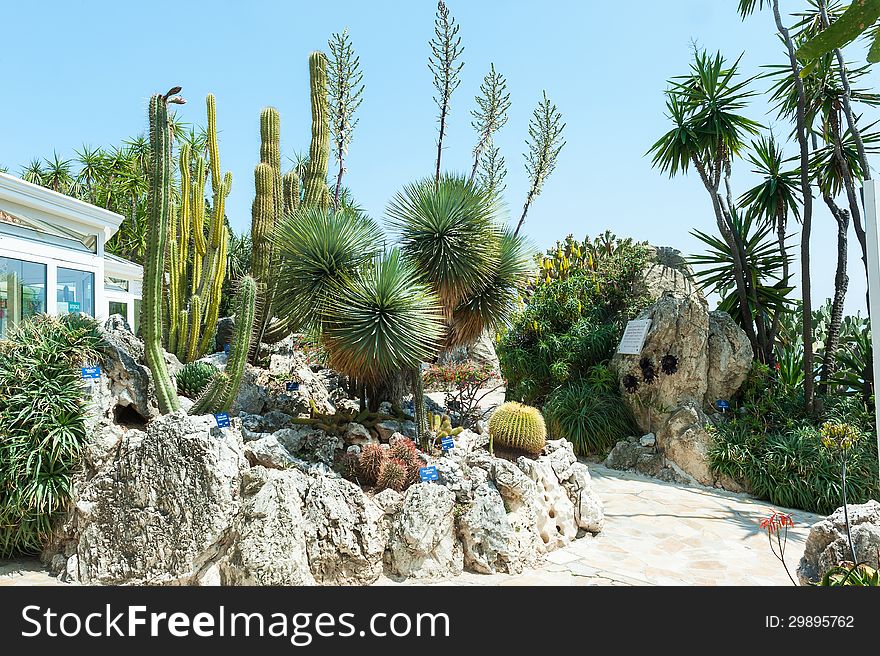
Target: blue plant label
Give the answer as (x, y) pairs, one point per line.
(428, 474)
(446, 443)
(73, 306)
(722, 405)
(91, 373)
(292, 387)
(222, 419)
(226, 349)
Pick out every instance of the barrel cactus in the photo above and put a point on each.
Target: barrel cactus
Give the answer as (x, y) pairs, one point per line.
(194, 378)
(518, 427)
(393, 474)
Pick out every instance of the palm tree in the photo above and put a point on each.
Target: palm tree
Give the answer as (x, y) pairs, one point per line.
(708, 133)
(777, 197)
(58, 174)
(34, 172)
(91, 166)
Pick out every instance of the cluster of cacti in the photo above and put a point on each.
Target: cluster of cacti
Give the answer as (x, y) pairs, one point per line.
(517, 427)
(393, 467)
(197, 261)
(223, 388)
(441, 425)
(337, 423)
(277, 194)
(158, 219)
(194, 378)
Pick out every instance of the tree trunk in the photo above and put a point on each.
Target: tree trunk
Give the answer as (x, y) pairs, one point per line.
(841, 282)
(807, 218)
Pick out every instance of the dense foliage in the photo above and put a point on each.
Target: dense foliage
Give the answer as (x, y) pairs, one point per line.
(771, 445)
(570, 326)
(42, 412)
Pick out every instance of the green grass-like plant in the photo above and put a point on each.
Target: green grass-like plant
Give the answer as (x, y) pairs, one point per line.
(42, 424)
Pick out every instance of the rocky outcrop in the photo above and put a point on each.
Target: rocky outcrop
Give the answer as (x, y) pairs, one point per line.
(422, 542)
(185, 502)
(827, 543)
(481, 352)
(690, 359)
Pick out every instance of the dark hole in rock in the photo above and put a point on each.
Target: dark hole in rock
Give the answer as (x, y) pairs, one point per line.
(125, 415)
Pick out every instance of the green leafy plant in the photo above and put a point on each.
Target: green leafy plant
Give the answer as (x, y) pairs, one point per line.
(42, 424)
(465, 386)
(590, 413)
(194, 377)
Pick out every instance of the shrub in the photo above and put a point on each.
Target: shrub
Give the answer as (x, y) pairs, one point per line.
(773, 447)
(590, 413)
(517, 427)
(194, 378)
(42, 424)
(572, 324)
(465, 384)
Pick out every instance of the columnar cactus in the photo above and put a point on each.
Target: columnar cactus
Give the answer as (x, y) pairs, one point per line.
(316, 193)
(223, 388)
(291, 188)
(518, 427)
(159, 216)
(197, 265)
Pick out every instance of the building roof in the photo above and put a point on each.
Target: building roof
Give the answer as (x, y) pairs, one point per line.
(42, 206)
(113, 264)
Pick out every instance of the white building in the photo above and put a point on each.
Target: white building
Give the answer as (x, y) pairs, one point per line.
(52, 257)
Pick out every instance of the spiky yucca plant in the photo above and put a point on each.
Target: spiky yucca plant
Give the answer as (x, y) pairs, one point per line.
(491, 305)
(318, 249)
(518, 427)
(449, 229)
(381, 320)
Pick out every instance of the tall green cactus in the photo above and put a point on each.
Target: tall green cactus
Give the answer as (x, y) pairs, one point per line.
(316, 193)
(223, 388)
(265, 215)
(159, 216)
(197, 263)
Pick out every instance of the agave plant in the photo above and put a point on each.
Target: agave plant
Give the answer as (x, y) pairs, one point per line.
(449, 230)
(319, 250)
(382, 320)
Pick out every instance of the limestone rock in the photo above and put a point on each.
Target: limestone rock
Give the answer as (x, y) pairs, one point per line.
(225, 331)
(487, 536)
(555, 520)
(268, 452)
(423, 542)
(389, 427)
(827, 544)
(263, 390)
(159, 512)
(356, 433)
(729, 358)
(589, 513)
(686, 442)
(344, 532)
(267, 541)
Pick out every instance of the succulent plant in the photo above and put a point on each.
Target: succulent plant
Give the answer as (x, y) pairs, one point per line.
(349, 465)
(441, 425)
(518, 427)
(194, 378)
(370, 463)
(394, 474)
(404, 449)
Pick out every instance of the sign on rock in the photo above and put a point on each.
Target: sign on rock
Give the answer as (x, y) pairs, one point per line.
(222, 419)
(634, 336)
(292, 386)
(446, 443)
(428, 474)
(91, 373)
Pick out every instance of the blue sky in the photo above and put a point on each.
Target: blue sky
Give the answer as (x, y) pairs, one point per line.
(76, 72)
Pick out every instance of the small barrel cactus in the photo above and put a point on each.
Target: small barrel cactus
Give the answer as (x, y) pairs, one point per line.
(404, 449)
(518, 427)
(194, 378)
(370, 462)
(393, 474)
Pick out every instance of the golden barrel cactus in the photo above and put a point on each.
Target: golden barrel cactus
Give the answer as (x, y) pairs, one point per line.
(518, 427)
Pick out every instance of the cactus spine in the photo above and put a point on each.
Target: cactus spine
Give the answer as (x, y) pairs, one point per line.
(159, 213)
(197, 264)
(223, 388)
(316, 193)
(519, 427)
(265, 215)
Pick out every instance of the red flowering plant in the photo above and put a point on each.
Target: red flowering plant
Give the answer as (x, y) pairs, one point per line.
(777, 526)
(465, 385)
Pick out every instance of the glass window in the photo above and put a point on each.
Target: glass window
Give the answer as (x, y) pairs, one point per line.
(118, 307)
(22, 291)
(75, 291)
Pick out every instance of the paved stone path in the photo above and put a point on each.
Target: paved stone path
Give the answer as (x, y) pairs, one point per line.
(655, 533)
